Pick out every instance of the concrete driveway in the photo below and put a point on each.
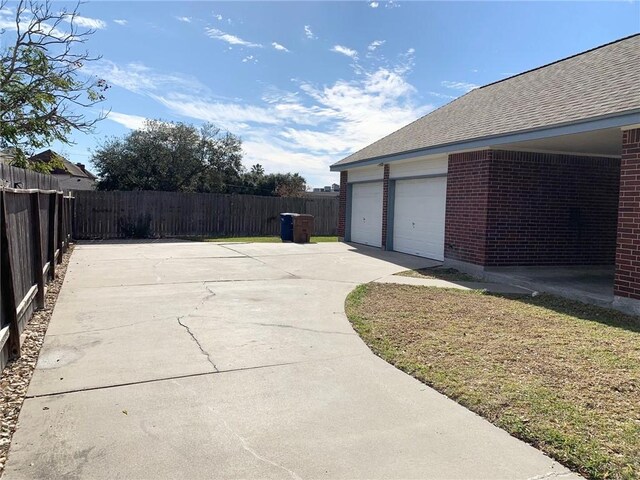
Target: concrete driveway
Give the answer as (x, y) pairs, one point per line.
(199, 360)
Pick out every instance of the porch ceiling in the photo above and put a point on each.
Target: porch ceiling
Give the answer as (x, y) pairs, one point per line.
(599, 142)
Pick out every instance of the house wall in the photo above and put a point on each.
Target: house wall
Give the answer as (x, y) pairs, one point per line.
(521, 208)
(627, 281)
(467, 204)
(427, 165)
(342, 209)
(385, 205)
(548, 209)
(69, 182)
(366, 174)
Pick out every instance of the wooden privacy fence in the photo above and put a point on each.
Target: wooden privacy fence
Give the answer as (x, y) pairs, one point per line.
(35, 230)
(174, 214)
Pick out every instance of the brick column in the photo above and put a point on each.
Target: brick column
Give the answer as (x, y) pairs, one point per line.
(467, 207)
(627, 281)
(385, 205)
(342, 208)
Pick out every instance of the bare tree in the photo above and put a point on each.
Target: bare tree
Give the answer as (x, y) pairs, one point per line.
(43, 93)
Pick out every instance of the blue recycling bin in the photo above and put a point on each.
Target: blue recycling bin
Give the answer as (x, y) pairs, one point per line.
(286, 227)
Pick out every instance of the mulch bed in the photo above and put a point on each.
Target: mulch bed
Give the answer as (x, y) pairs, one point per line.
(16, 376)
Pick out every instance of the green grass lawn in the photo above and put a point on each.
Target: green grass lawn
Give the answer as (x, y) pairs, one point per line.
(314, 239)
(561, 375)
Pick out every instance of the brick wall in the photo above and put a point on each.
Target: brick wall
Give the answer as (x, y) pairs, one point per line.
(385, 205)
(467, 204)
(342, 209)
(547, 209)
(627, 282)
(520, 208)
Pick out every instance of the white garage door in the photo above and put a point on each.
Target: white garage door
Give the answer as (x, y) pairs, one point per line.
(418, 221)
(366, 213)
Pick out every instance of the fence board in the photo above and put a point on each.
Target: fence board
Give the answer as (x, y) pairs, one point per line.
(35, 223)
(174, 214)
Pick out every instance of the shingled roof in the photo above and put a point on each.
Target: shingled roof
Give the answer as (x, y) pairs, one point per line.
(73, 169)
(597, 83)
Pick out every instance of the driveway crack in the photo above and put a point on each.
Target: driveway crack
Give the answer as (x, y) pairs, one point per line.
(190, 332)
(245, 445)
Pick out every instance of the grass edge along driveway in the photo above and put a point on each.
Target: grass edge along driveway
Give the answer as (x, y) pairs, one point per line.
(264, 239)
(560, 375)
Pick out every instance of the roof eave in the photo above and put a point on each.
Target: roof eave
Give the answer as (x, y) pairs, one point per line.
(623, 119)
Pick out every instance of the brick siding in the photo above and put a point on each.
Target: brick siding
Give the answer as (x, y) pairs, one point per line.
(547, 209)
(467, 204)
(385, 205)
(519, 208)
(342, 207)
(627, 282)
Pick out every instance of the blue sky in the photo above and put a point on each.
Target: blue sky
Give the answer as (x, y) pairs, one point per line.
(306, 83)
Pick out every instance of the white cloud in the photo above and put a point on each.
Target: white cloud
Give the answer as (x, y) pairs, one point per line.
(249, 59)
(441, 95)
(229, 38)
(374, 4)
(344, 51)
(234, 117)
(8, 22)
(375, 44)
(462, 86)
(184, 19)
(392, 4)
(139, 78)
(218, 17)
(120, 21)
(303, 129)
(279, 47)
(134, 122)
(308, 32)
(86, 22)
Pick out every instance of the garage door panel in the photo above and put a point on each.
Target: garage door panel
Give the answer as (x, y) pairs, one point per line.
(366, 213)
(419, 214)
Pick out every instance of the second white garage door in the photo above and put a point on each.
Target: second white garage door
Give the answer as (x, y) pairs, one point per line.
(366, 213)
(418, 221)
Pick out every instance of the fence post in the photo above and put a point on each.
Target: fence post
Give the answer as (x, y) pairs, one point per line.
(37, 257)
(6, 283)
(53, 217)
(64, 224)
(72, 216)
(60, 240)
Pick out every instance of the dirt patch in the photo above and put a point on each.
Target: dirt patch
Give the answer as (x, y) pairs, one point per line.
(17, 374)
(561, 375)
(440, 273)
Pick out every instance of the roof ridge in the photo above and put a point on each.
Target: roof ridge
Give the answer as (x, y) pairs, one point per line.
(560, 60)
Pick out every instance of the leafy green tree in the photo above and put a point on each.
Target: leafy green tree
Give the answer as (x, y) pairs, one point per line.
(42, 93)
(256, 182)
(169, 156)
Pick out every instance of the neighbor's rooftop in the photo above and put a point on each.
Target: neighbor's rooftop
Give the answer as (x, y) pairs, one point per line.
(599, 83)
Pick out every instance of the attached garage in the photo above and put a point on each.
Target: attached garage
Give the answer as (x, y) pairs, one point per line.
(419, 215)
(484, 183)
(366, 213)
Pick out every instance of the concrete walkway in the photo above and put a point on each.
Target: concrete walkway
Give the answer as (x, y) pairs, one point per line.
(196, 360)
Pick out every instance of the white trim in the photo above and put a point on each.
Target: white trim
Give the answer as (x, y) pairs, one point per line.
(630, 127)
(4, 336)
(26, 301)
